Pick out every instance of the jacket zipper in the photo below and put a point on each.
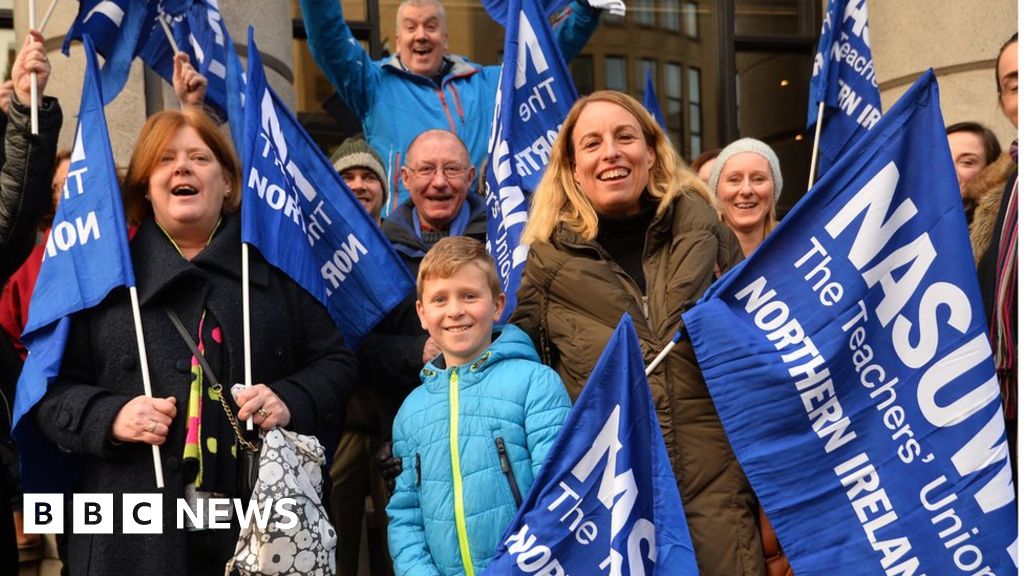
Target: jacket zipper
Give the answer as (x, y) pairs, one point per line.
(506, 469)
(626, 280)
(447, 111)
(453, 447)
(419, 470)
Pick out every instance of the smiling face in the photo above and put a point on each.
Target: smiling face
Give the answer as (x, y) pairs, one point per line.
(437, 175)
(746, 192)
(421, 37)
(612, 162)
(367, 187)
(1006, 72)
(968, 151)
(187, 186)
(459, 312)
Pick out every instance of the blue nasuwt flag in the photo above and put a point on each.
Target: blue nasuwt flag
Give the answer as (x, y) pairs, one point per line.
(855, 379)
(651, 102)
(298, 213)
(200, 31)
(115, 27)
(535, 93)
(608, 502)
(844, 79)
(86, 257)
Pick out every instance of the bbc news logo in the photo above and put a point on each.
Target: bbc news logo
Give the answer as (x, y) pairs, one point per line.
(143, 513)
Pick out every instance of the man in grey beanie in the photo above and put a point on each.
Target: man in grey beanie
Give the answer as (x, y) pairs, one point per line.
(363, 171)
(745, 183)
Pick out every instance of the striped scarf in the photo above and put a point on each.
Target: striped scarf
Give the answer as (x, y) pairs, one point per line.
(1003, 324)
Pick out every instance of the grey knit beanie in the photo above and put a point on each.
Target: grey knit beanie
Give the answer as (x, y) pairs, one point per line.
(738, 147)
(356, 153)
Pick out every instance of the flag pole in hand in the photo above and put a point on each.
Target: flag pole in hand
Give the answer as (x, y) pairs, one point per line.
(46, 17)
(35, 80)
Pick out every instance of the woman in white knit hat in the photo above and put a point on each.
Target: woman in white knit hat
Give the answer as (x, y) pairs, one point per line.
(746, 181)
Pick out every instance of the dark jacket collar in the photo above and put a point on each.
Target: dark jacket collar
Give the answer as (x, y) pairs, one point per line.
(400, 227)
(158, 264)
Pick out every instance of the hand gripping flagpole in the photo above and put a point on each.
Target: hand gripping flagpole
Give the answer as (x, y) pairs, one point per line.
(146, 385)
(34, 89)
(814, 151)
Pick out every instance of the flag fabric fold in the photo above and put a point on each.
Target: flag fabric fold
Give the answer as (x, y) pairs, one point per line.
(855, 380)
(115, 27)
(535, 93)
(297, 211)
(606, 499)
(86, 256)
(844, 79)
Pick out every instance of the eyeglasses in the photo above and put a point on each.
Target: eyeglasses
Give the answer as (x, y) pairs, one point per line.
(450, 171)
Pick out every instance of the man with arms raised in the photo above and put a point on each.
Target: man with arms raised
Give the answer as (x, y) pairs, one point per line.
(422, 87)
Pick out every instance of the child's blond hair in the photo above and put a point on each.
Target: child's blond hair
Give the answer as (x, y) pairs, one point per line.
(452, 253)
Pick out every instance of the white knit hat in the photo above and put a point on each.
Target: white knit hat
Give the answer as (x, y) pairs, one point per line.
(746, 145)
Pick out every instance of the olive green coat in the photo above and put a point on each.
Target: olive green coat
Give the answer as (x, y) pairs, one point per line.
(571, 299)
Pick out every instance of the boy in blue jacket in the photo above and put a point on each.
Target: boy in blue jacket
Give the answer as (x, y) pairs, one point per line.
(473, 436)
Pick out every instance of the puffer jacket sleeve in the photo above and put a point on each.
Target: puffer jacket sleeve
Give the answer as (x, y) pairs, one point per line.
(339, 55)
(574, 31)
(25, 179)
(547, 407)
(406, 535)
(316, 394)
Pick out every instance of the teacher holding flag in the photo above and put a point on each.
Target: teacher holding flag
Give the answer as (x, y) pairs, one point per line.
(617, 212)
(183, 186)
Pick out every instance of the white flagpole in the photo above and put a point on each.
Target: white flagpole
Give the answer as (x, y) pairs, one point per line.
(167, 32)
(34, 90)
(246, 328)
(814, 151)
(658, 359)
(46, 18)
(146, 385)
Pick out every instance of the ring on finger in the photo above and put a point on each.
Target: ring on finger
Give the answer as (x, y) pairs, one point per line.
(263, 412)
(152, 426)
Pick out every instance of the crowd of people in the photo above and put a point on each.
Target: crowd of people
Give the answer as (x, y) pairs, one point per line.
(440, 420)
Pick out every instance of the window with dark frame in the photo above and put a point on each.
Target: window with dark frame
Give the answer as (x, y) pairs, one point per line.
(669, 15)
(674, 103)
(643, 12)
(615, 73)
(690, 20)
(582, 69)
(696, 131)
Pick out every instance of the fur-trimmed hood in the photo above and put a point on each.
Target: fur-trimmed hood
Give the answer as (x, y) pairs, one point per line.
(985, 191)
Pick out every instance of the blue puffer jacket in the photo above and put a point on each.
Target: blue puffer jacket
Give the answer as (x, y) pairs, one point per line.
(395, 106)
(503, 411)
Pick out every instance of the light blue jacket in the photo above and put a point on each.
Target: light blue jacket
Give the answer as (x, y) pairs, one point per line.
(503, 410)
(395, 106)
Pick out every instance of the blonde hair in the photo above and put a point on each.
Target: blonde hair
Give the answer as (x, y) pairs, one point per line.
(158, 130)
(558, 197)
(452, 253)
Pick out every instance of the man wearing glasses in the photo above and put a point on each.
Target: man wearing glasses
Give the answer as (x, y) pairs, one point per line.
(438, 175)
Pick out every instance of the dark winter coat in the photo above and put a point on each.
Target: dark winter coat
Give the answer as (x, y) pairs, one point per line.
(296, 351)
(571, 298)
(25, 178)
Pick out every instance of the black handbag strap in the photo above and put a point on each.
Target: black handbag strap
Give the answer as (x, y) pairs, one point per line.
(207, 371)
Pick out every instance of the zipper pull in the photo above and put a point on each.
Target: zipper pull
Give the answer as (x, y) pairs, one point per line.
(647, 312)
(418, 470)
(503, 455)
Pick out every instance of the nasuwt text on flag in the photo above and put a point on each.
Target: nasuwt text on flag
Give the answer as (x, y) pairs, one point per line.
(856, 380)
(535, 92)
(606, 501)
(298, 213)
